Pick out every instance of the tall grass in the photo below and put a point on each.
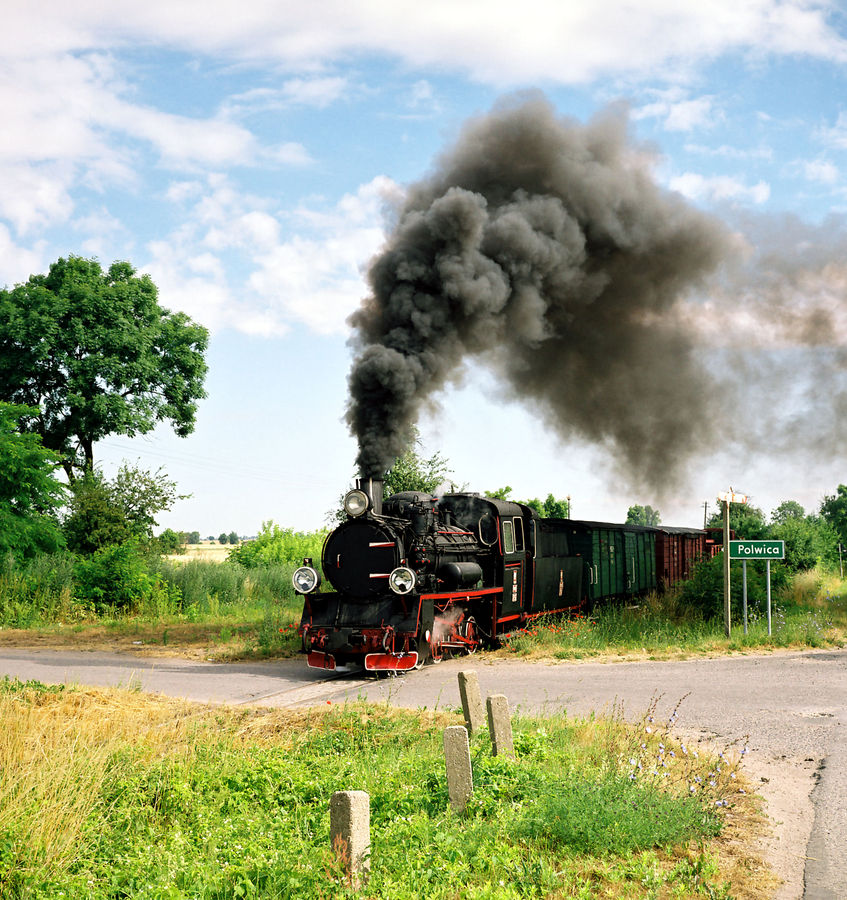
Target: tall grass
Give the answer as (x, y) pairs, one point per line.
(110, 794)
(810, 612)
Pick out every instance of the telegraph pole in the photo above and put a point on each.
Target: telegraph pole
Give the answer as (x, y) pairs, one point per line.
(726, 498)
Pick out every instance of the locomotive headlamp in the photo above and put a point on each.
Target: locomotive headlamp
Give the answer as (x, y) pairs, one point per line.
(305, 580)
(401, 580)
(355, 503)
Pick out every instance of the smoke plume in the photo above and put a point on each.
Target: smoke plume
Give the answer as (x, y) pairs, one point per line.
(544, 248)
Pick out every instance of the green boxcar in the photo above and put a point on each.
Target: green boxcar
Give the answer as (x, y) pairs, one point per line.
(619, 560)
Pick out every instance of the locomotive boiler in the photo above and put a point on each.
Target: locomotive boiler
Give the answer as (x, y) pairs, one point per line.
(415, 577)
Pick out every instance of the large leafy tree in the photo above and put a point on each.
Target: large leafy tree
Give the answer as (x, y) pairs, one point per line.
(97, 355)
(29, 492)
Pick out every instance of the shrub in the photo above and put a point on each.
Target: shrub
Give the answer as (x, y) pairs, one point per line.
(275, 545)
(703, 592)
(116, 578)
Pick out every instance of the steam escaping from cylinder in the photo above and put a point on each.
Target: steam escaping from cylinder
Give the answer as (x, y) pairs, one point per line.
(544, 248)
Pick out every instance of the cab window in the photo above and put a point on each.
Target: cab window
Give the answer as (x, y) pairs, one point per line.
(508, 537)
(519, 534)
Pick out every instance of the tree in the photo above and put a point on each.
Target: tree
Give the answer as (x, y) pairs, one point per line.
(500, 494)
(786, 511)
(411, 472)
(97, 355)
(29, 492)
(643, 515)
(102, 513)
(223, 538)
(193, 537)
(172, 542)
(551, 508)
(232, 537)
(746, 520)
(834, 510)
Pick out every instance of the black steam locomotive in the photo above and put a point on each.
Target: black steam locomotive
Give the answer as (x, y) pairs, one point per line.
(417, 577)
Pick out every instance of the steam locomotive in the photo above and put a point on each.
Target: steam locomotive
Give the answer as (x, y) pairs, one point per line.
(417, 577)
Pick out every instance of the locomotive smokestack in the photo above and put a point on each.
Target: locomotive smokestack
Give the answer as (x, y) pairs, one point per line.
(545, 249)
(374, 488)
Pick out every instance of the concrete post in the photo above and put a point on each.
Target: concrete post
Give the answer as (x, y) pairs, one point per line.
(457, 758)
(500, 725)
(471, 701)
(350, 832)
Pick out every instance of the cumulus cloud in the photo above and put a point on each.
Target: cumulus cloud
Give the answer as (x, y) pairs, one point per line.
(304, 266)
(563, 42)
(678, 112)
(719, 188)
(821, 171)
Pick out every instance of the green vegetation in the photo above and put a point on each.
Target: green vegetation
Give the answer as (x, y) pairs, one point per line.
(275, 546)
(110, 794)
(809, 610)
(97, 355)
(549, 508)
(643, 515)
(29, 494)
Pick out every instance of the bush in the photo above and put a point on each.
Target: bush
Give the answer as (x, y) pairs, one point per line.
(116, 578)
(703, 592)
(276, 545)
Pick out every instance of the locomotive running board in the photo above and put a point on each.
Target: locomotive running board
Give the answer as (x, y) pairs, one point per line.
(388, 662)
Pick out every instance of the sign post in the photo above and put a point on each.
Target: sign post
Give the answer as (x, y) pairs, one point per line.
(746, 550)
(727, 497)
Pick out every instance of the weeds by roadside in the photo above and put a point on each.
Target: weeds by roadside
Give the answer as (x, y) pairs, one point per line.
(109, 793)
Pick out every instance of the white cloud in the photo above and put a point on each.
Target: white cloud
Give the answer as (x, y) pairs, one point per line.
(67, 123)
(493, 40)
(821, 171)
(719, 188)
(304, 266)
(17, 263)
(678, 112)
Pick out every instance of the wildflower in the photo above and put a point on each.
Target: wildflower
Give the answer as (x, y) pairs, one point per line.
(692, 788)
(649, 730)
(633, 762)
(632, 776)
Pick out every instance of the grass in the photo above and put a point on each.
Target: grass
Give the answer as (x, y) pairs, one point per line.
(208, 609)
(224, 611)
(812, 612)
(108, 794)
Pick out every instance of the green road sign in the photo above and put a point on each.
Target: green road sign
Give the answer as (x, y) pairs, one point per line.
(757, 549)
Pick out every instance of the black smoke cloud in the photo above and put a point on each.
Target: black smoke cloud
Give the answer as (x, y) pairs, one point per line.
(544, 248)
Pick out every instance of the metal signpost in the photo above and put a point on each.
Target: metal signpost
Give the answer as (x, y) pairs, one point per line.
(766, 550)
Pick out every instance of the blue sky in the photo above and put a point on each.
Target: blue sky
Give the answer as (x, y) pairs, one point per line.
(243, 153)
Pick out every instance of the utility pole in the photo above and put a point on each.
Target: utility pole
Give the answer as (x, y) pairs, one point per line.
(726, 498)
(705, 513)
(727, 618)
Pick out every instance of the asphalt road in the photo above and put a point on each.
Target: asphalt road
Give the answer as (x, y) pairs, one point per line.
(788, 706)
